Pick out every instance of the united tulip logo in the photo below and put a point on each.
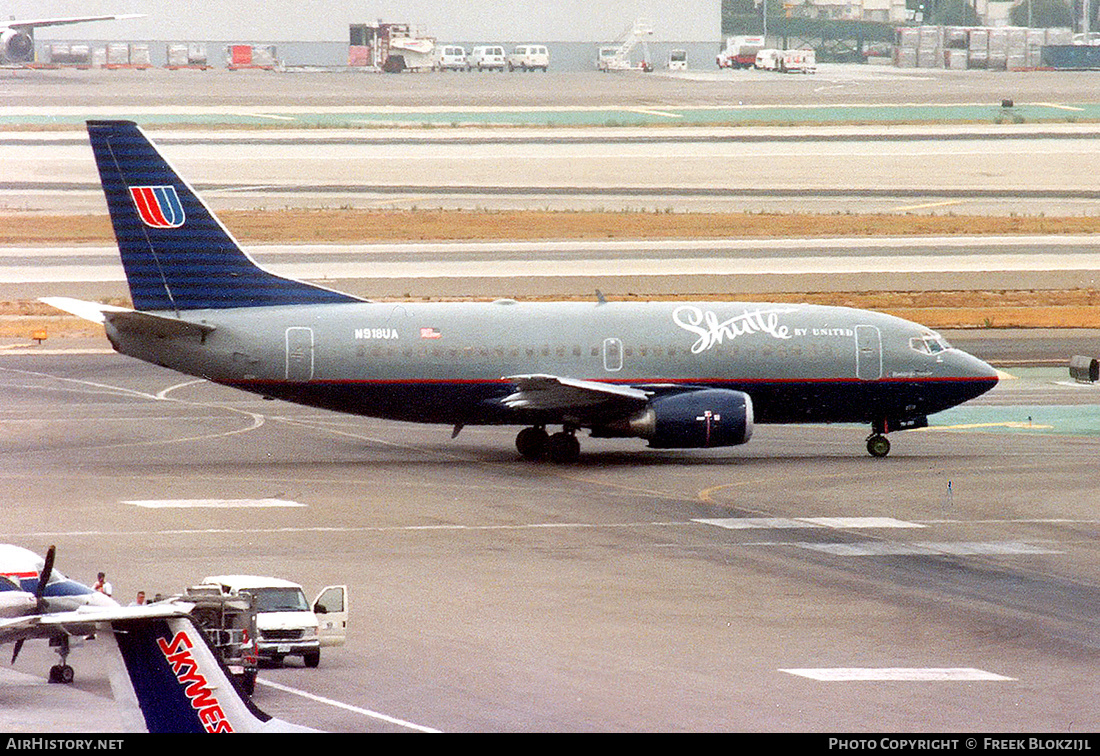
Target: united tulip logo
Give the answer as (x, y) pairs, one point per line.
(158, 206)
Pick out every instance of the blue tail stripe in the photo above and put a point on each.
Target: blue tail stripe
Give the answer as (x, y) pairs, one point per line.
(192, 266)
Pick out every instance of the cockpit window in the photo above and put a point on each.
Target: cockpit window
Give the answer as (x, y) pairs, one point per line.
(929, 344)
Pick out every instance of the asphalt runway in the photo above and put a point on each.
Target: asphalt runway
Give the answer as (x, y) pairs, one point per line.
(832, 85)
(635, 591)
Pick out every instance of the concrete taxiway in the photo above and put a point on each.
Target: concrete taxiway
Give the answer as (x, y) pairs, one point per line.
(679, 268)
(1025, 169)
(637, 590)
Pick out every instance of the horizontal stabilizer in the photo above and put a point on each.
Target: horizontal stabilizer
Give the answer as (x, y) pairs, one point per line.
(129, 320)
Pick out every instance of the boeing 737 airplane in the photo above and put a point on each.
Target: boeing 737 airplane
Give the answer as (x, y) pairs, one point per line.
(677, 374)
(17, 37)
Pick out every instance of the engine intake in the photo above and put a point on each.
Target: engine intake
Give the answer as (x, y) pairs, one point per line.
(692, 420)
(16, 46)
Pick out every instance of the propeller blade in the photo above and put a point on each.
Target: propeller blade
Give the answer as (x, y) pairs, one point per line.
(47, 570)
(18, 648)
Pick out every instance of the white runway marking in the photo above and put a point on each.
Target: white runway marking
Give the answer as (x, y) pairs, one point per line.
(766, 523)
(347, 707)
(211, 503)
(927, 548)
(897, 674)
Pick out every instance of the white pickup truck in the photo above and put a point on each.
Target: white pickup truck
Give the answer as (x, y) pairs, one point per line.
(287, 625)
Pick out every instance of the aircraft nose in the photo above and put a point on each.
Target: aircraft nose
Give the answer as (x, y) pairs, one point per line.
(984, 375)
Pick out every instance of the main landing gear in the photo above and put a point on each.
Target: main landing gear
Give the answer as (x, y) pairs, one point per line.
(61, 673)
(560, 448)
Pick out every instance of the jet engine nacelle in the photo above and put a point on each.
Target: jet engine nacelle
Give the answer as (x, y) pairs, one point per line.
(16, 47)
(696, 419)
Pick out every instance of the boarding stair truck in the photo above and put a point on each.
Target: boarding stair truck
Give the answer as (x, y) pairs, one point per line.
(286, 624)
(740, 52)
(617, 57)
(230, 625)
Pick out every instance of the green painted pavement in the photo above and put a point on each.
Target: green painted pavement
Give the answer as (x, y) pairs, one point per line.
(640, 116)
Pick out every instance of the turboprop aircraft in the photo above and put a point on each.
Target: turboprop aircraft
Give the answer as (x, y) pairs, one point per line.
(677, 374)
(166, 677)
(17, 36)
(32, 590)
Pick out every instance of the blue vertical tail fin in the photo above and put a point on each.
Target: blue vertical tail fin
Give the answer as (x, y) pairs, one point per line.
(173, 679)
(176, 253)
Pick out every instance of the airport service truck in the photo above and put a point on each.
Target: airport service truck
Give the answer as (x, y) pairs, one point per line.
(286, 624)
(230, 625)
(740, 52)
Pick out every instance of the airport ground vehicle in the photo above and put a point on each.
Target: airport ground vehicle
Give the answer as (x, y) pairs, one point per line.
(286, 624)
(486, 58)
(786, 61)
(229, 622)
(677, 60)
(528, 58)
(740, 52)
(797, 61)
(450, 58)
(767, 59)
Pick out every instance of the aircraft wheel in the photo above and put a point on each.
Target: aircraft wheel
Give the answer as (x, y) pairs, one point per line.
(878, 445)
(564, 448)
(532, 442)
(61, 673)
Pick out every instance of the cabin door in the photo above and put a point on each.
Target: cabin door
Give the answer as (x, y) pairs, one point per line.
(868, 353)
(612, 355)
(299, 354)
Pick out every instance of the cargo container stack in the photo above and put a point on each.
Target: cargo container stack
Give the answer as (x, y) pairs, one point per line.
(187, 55)
(905, 50)
(930, 47)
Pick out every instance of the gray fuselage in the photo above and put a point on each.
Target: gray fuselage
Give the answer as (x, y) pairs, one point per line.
(452, 362)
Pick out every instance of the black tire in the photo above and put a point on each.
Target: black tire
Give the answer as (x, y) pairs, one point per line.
(312, 659)
(532, 443)
(564, 448)
(248, 683)
(878, 446)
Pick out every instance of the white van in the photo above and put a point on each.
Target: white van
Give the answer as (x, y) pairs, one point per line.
(286, 624)
(450, 58)
(529, 57)
(486, 58)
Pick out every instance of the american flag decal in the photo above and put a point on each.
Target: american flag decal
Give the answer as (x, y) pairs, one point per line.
(158, 206)
(430, 333)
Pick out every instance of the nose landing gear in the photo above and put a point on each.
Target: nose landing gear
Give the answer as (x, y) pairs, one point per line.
(877, 443)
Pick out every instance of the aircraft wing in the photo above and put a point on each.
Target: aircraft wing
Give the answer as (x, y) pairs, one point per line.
(551, 392)
(78, 622)
(27, 24)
